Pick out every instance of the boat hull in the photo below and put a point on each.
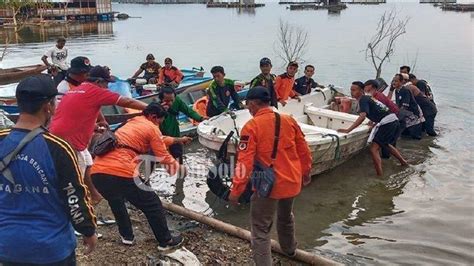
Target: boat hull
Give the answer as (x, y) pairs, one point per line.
(328, 147)
(11, 75)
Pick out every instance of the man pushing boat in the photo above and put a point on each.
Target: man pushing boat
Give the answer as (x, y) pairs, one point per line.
(384, 132)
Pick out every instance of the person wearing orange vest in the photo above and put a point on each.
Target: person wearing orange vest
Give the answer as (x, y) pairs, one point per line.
(292, 166)
(284, 84)
(170, 75)
(116, 175)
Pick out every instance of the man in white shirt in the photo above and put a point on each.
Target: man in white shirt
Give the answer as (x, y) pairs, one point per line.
(58, 55)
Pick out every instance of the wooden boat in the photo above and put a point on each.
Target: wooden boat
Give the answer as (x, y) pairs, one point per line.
(319, 124)
(10, 75)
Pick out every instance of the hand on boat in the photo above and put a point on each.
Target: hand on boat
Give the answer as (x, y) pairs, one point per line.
(343, 130)
(283, 103)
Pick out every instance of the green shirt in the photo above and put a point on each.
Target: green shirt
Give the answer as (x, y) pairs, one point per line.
(170, 125)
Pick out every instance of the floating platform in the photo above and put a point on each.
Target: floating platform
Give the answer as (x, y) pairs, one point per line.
(233, 5)
(298, 2)
(331, 8)
(458, 7)
(438, 1)
(365, 3)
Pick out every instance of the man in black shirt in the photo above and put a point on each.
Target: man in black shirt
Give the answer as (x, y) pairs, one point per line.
(410, 112)
(424, 98)
(151, 68)
(386, 126)
(304, 84)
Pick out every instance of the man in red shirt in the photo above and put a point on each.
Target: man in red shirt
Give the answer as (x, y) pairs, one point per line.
(77, 113)
(284, 84)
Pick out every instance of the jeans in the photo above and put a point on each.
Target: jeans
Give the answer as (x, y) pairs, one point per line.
(69, 261)
(118, 189)
(59, 77)
(262, 211)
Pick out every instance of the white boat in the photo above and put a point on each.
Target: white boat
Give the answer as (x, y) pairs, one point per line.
(329, 148)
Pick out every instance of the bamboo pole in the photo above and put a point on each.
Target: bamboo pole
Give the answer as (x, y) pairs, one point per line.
(301, 255)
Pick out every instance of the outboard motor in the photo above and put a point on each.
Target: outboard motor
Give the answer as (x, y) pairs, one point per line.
(219, 178)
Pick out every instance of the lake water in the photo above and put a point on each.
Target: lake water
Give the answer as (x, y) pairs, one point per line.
(421, 215)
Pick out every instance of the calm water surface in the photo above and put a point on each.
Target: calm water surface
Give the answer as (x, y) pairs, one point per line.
(423, 214)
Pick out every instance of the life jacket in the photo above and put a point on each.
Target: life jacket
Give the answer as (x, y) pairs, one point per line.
(200, 107)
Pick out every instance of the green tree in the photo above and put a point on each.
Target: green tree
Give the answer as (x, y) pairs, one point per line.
(15, 7)
(41, 6)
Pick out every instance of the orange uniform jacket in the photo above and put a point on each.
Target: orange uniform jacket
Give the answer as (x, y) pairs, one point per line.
(142, 135)
(284, 87)
(170, 75)
(293, 158)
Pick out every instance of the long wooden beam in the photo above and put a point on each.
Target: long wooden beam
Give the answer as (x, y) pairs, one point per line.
(301, 255)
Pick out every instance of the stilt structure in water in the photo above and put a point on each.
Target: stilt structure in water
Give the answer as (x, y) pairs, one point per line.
(239, 4)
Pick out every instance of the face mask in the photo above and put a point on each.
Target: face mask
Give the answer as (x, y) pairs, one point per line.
(368, 94)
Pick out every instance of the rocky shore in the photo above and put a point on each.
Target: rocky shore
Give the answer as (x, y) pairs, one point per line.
(210, 246)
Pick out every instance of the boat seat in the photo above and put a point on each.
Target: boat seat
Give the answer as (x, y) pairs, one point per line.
(309, 130)
(328, 118)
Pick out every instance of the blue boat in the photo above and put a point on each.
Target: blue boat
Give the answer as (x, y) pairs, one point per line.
(192, 81)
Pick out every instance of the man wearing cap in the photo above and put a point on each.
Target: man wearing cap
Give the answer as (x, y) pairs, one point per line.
(42, 196)
(291, 166)
(151, 68)
(284, 84)
(76, 74)
(78, 111)
(58, 55)
(220, 92)
(385, 130)
(266, 79)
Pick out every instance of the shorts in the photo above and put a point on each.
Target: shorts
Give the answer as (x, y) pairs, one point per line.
(387, 134)
(84, 159)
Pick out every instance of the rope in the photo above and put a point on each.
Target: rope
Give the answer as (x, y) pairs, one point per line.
(337, 153)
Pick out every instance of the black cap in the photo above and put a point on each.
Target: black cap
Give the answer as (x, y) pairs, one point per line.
(373, 83)
(265, 61)
(100, 73)
(80, 65)
(35, 88)
(258, 93)
(150, 57)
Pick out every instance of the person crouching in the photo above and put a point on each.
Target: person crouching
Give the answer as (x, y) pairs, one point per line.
(114, 175)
